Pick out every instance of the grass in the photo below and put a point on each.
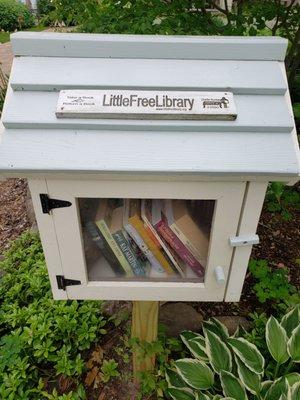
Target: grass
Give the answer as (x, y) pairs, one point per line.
(4, 36)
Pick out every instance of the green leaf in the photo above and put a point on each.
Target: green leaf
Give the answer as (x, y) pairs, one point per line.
(265, 386)
(174, 380)
(292, 378)
(195, 343)
(181, 394)
(294, 345)
(232, 386)
(202, 396)
(279, 387)
(295, 392)
(195, 373)
(250, 379)
(216, 327)
(276, 340)
(218, 353)
(248, 353)
(291, 320)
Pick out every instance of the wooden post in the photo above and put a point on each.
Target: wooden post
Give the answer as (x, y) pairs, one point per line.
(144, 327)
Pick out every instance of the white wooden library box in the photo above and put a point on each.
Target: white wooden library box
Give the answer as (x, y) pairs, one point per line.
(182, 190)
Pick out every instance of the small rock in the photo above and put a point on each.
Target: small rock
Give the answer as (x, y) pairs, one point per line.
(178, 317)
(233, 321)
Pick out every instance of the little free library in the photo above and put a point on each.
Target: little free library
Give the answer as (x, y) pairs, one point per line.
(148, 158)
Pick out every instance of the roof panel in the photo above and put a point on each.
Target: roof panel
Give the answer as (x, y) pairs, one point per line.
(240, 77)
(26, 110)
(148, 46)
(144, 151)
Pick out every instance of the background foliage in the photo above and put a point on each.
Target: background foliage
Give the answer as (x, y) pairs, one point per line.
(14, 15)
(39, 338)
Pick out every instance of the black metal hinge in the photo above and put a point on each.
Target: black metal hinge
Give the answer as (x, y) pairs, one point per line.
(48, 204)
(63, 282)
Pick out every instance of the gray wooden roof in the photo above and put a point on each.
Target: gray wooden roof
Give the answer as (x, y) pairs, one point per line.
(261, 142)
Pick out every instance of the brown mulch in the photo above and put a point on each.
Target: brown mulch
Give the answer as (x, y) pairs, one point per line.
(13, 210)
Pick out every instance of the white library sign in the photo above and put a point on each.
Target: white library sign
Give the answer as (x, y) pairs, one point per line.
(146, 104)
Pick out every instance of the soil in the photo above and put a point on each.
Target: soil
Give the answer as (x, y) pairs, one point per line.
(279, 244)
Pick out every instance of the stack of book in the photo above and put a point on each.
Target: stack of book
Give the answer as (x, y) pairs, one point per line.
(149, 238)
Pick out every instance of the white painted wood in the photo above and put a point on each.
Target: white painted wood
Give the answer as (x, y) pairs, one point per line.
(240, 77)
(225, 222)
(147, 46)
(34, 110)
(48, 236)
(253, 202)
(206, 153)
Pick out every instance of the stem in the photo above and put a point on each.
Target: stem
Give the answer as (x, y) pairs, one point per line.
(276, 370)
(289, 366)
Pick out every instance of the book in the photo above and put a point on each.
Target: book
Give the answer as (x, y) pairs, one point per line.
(136, 221)
(186, 229)
(135, 235)
(105, 249)
(146, 214)
(161, 225)
(120, 237)
(102, 220)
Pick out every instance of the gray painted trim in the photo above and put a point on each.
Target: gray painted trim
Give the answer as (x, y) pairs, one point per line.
(52, 44)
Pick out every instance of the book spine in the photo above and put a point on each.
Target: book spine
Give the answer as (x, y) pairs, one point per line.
(144, 248)
(139, 226)
(104, 248)
(181, 236)
(132, 259)
(170, 237)
(113, 245)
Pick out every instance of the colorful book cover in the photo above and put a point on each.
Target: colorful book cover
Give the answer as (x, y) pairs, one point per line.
(134, 234)
(147, 205)
(136, 221)
(186, 229)
(105, 249)
(102, 220)
(119, 235)
(161, 225)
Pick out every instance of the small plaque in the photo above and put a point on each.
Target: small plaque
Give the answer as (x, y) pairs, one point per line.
(146, 104)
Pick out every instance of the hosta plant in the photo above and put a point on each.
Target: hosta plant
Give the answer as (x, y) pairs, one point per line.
(232, 368)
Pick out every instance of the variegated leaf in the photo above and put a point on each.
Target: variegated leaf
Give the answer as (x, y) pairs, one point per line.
(293, 378)
(250, 379)
(294, 345)
(218, 353)
(195, 373)
(278, 387)
(195, 343)
(295, 391)
(214, 327)
(291, 320)
(276, 340)
(181, 394)
(174, 380)
(265, 386)
(232, 386)
(202, 396)
(248, 353)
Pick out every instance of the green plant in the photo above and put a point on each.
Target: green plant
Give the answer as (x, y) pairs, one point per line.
(44, 7)
(14, 15)
(39, 338)
(230, 367)
(280, 198)
(109, 370)
(272, 283)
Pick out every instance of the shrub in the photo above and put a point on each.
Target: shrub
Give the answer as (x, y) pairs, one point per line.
(44, 7)
(39, 337)
(231, 367)
(14, 15)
